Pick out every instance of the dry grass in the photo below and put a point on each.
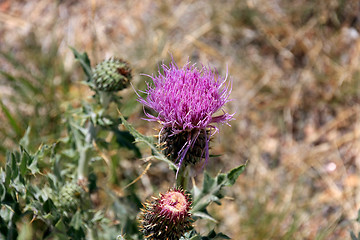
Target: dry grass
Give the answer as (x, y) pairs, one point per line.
(295, 71)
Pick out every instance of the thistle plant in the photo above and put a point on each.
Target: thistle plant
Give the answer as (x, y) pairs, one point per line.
(185, 100)
(70, 204)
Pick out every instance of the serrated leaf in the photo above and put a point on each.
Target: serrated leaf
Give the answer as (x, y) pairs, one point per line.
(49, 206)
(25, 158)
(76, 221)
(33, 191)
(84, 62)
(208, 183)
(14, 167)
(18, 185)
(106, 121)
(233, 175)
(203, 215)
(52, 179)
(2, 192)
(60, 226)
(56, 170)
(221, 177)
(196, 238)
(196, 192)
(8, 171)
(214, 235)
(24, 141)
(99, 215)
(211, 190)
(33, 167)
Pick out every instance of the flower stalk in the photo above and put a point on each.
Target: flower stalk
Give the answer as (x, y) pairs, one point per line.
(183, 176)
(83, 148)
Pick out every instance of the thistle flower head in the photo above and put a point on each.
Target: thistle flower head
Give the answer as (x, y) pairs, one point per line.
(185, 100)
(167, 217)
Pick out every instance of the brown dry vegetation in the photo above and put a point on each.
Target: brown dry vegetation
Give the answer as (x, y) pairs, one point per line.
(295, 71)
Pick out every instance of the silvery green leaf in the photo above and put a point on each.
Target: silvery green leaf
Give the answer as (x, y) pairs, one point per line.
(84, 62)
(2, 192)
(76, 221)
(25, 158)
(214, 235)
(233, 175)
(24, 141)
(204, 215)
(211, 189)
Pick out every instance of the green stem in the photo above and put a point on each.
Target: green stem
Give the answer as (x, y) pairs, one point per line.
(105, 99)
(92, 235)
(83, 167)
(83, 164)
(183, 177)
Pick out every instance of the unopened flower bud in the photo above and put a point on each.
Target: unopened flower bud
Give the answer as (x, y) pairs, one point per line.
(167, 217)
(112, 75)
(69, 198)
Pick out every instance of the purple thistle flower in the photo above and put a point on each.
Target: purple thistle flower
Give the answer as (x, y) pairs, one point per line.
(185, 100)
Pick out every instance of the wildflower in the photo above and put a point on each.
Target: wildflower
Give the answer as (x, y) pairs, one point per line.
(112, 75)
(185, 100)
(167, 217)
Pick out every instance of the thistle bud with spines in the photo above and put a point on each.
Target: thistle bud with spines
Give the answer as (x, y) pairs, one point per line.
(167, 217)
(69, 198)
(111, 75)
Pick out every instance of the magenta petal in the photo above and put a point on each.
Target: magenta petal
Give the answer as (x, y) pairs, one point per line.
(187, 98)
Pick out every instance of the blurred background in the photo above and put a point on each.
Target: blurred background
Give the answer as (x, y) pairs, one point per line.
(295, 71)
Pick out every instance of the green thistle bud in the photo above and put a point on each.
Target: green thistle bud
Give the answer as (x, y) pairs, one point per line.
(69, 198)
(172, 144)
(167, 217)
(112, 75)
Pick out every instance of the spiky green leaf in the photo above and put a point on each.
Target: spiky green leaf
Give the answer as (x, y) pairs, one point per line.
(84, 61)
(211, 189)
(76, 221)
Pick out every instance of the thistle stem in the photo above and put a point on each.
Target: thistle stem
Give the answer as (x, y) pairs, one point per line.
(105, 99)
(83, 164)
(182, 179)
(92, 234)
(83, 167)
